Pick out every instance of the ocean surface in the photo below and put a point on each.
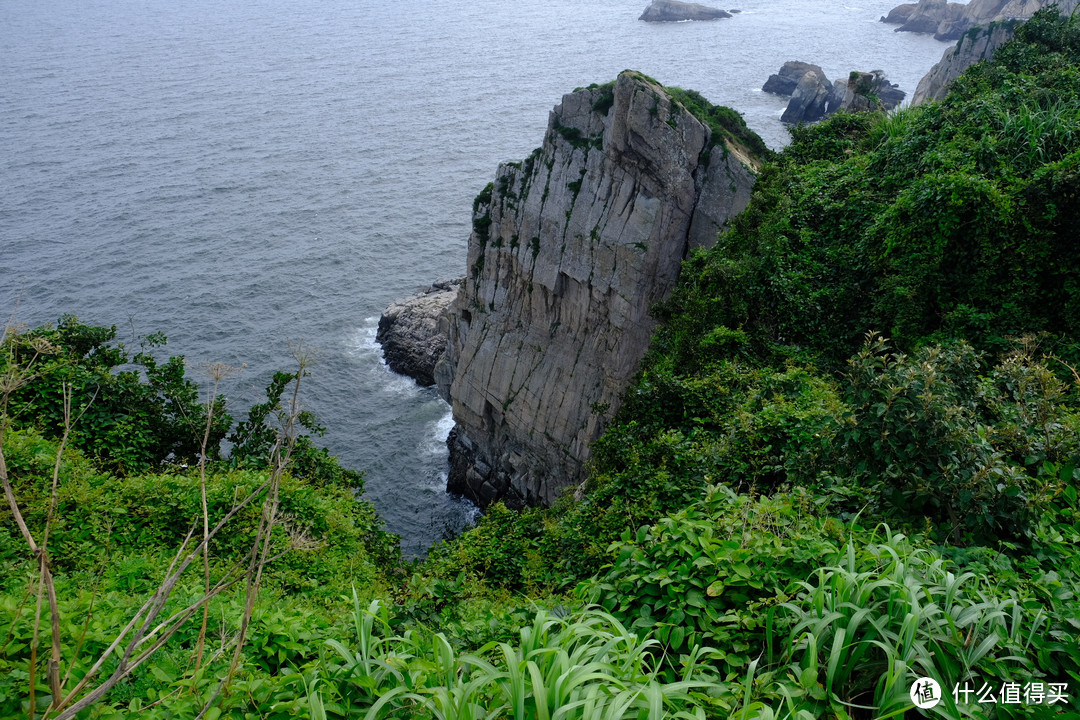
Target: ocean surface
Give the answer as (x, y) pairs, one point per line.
(245, 175)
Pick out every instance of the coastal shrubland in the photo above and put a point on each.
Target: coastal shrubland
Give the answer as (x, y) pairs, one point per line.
(848, 461)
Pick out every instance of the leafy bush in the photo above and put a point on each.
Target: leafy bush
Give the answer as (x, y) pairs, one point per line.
(927, 436)
(708, 575)
(133, 412)
(953, 220)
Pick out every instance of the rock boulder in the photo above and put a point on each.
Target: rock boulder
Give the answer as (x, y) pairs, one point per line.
(409, 331)
(813, 97)
(899, 14)
(787, 79)
(865, 92)
(809, 100)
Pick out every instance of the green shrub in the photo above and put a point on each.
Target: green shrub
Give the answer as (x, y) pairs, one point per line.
(133, 413)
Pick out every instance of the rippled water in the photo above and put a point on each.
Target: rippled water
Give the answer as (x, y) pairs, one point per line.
(239, 175)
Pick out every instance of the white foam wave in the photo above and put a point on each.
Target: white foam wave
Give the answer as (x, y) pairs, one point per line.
(362, 345)
(436, 433)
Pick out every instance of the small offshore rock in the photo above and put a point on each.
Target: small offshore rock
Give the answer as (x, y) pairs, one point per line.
(675, 11)
(813, 97)
(865, 92)
(410, 334)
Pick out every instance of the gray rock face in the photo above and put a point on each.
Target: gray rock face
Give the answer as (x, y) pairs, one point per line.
(973, 47)
(787, 79)
(809, 100)
(949, 21)
(570, 248)
(409, 331)
(899, 14)
(675, 11)
(929, 14)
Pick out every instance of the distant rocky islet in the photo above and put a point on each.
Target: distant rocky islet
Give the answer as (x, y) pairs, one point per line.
(949, 21)
(814, 97)
(675, 11)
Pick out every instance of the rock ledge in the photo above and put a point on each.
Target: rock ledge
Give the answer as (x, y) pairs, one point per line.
(409, 331)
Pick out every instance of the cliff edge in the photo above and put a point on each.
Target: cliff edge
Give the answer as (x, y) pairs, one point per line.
(569, 250)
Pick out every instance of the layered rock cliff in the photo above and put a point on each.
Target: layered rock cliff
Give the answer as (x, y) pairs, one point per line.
(949, 21)
(975, 46)
(569, 250)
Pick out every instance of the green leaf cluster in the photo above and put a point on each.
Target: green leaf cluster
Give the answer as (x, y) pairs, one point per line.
(135, 412)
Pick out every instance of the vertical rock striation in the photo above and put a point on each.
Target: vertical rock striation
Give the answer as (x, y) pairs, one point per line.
(569, 250)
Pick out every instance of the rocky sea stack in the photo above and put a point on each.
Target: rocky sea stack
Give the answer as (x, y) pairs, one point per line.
(570, 248)
(814, 97)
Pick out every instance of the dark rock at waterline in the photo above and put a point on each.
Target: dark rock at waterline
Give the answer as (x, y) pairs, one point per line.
(410, 333)
(675, 11)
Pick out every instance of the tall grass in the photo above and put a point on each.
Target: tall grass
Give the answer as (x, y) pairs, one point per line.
(587, 665)
(889, 613)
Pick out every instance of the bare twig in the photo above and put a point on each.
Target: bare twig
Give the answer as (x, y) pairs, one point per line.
(217, 372)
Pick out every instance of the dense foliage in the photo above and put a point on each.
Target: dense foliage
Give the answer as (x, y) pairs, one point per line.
(950, 220)
(848, 462)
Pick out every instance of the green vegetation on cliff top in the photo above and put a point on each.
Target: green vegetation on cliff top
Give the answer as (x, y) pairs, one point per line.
(848, 462)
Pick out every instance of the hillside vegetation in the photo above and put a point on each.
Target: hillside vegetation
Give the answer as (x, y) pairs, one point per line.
(847, 463)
